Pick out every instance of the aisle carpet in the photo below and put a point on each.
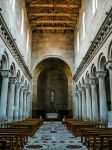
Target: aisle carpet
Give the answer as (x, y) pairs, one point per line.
(53, 136)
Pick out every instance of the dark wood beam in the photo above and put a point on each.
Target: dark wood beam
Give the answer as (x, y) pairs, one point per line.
(51, 14)
(52, 21)
(52, 28)
(68, 6)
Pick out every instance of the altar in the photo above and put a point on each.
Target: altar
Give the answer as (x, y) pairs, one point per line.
(52, 115)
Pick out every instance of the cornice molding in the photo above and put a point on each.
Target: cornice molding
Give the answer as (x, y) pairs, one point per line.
(8, 39)
(104, 32)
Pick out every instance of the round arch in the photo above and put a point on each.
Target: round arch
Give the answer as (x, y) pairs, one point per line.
(13, 69)
(110, 51)
(5, 61)
(18, 76)
(101, 62)
(50, 57)
(58, 68)
(93, 70)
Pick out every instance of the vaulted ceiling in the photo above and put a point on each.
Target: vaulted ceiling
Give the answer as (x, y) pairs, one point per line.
(53, 15)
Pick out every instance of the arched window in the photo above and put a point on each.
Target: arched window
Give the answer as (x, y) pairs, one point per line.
(83, 23)
(22, 22)
(27, 39)
(78, 41)
(94, 5)
(12, 2)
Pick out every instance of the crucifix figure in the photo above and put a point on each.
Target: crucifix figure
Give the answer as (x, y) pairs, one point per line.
(52, 95)
(52, 98)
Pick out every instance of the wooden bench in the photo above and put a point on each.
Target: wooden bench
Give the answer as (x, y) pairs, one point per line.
(23, 133)
(97, 138)
(3, 144)
(12, 140)
(16, 134)
(75, 126)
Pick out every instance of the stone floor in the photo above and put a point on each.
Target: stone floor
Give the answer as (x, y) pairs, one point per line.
(53, 136)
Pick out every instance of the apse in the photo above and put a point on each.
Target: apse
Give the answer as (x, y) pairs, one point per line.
(52, 87)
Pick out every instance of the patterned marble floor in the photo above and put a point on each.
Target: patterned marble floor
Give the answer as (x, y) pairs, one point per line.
(53, 136)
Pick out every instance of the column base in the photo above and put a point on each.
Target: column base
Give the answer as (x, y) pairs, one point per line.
(110, 119)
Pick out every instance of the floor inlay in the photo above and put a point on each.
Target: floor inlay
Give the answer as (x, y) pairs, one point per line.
(53, 136)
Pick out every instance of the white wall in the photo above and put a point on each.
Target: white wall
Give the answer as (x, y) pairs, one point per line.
(18, 25)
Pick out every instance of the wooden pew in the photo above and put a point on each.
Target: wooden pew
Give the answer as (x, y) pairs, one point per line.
(11, 140)
(3, 144)
(15, 134)
(22, 132)
(97, 138)
(75, 126)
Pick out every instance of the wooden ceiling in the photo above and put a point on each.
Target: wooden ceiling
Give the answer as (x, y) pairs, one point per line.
(53, 15)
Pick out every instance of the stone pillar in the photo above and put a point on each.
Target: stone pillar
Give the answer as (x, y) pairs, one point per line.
(21, 103)
(102, 97)
(109, 67)
(88, 101)
(4, 94)
(83, 103)
(17, 99)
(28, 105)
(80, 103)
(24, 104)
(11, 96)
(94, 100)
(73, 105)
(76, 107)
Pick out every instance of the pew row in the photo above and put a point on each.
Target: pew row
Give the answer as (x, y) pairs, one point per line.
(13, 136)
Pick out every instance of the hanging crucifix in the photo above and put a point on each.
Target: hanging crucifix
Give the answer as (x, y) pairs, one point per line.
(52, 96)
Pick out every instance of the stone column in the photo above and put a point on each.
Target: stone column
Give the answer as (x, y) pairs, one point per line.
(73, 105)
(4, 94)
(83, 103)
(21, 103)
(80, 103)
(94, 100)
(24, 103)
(11, 96)
(28, 105)
(88, 101)
(109, 67)
(76, 107)
(17, 99)
(102, 96)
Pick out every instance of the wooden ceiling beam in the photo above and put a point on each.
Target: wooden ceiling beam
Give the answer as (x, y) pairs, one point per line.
(51, 21)
(52, 28)
(51, 14)
(66, 1)
(55, 6)
(48, 11)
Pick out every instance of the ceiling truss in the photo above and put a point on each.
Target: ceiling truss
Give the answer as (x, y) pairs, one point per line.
(53, 15)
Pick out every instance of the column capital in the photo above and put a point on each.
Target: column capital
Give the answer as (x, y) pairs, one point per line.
(79, 91)
(109, 65)
(83, 89)
(12, 80)
(93, 81)
(76, 93)
(28, 92)
(18, 84)
(5, 73)
(22, 87)
(87, 85)
(101, 74)
(25, 90)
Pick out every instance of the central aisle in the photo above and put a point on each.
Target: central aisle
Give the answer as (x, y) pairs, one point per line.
(53, 136)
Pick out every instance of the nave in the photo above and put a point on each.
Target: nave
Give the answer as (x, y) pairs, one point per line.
(54, 136)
